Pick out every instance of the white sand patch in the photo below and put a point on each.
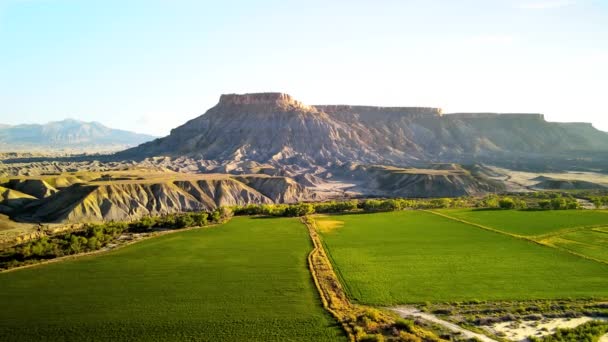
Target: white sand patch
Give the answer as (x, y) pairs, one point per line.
(604, 338)
(520, 331)
(528, 178)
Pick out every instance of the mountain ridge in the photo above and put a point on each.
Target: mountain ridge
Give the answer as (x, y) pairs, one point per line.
(70, 134)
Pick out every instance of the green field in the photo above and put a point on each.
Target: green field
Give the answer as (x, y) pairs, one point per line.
(244, 281)
(416, 256)
(589, 242)
(530, 223)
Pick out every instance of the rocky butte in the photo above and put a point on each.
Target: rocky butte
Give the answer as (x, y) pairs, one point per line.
(275, 128)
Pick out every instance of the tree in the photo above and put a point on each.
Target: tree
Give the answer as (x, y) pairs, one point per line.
(441, 203)
(200, 219)
(544, 204)
(184, 221)
(597, 202)
(300, 209)
(506, 203)
(558, 203)
(372, 205)
(491, 202)
(93, 244)
(216, 216)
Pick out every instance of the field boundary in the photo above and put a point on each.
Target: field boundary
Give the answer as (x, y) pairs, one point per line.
(524, 238)
(106, 250)
(317, 264)
(569, 230)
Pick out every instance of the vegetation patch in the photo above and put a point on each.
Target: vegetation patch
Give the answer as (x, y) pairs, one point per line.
(244, 281)
(588, 332)
(327, 226)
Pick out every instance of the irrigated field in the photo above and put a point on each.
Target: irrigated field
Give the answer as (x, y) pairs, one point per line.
(244, 281)
(530, 223)
(583, 232)
(591, 242)
(415, 256)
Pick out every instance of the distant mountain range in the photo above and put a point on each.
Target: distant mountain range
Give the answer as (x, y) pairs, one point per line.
(69, 136)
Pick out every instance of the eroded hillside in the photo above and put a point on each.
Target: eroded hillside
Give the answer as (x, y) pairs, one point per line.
(129, 195)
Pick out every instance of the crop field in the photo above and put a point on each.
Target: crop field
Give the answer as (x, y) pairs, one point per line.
(592, 242)
(244, 281)
(531, 223)
(416, 256)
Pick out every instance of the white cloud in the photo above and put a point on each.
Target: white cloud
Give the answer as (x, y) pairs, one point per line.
(546, 4)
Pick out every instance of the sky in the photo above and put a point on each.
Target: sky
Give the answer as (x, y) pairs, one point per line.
(149, 66)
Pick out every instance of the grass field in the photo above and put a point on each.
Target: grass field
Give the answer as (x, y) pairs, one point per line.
(530, 223)
(415, 256)
(589, 242)
(244, 281)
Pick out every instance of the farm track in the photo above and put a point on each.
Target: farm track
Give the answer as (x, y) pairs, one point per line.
(409, 312)
(330, 289)
(531, 239)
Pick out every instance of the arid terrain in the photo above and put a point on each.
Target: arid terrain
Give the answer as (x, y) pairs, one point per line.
(431, 186)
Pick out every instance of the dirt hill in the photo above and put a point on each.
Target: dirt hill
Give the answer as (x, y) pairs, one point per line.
(124, 198)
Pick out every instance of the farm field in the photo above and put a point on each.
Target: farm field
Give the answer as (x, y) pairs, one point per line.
(244, 281)
(531, 223)
(415, 256)
(591, 242)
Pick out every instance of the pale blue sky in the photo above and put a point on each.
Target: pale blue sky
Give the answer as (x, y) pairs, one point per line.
(149, 66)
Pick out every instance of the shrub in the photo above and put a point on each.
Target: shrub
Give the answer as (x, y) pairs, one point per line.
(506, 203)
(404, 324)
(184, 221)
(372, 338)
(301, 209)
(408, 337)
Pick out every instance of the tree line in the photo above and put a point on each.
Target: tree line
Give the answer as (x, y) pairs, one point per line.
(552, 201)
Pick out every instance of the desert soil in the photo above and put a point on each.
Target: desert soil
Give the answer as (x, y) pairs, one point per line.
(409, 312)
(520, 331)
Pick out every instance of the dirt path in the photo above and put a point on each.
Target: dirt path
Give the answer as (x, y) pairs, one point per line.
(604, 338)
(409, 312)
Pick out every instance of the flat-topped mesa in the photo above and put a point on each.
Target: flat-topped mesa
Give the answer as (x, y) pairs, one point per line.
(527, 116)
(376, 111)
(261, 99)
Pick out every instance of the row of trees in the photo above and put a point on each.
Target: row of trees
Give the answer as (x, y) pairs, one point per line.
(521, 202)
(600, 201)
(96, 236)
